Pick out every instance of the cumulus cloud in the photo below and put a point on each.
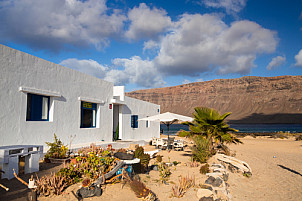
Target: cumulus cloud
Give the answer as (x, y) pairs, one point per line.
(146, 22)
(135, 70)
(298, 59)
(149, 45)
(204, 43)
(276, 61)
(231, 6)
(123, 72)
(89, 67)
(51, 24)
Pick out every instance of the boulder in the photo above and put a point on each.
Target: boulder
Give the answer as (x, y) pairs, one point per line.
(236, 163)
(216, 182)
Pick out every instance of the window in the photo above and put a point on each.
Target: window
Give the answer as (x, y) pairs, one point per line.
(88, 114)
(134, 122)
(37, 107)
(147, 123)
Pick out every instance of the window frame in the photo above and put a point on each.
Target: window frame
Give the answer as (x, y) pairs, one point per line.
(94, 113)
(134, 121)
(35, 107)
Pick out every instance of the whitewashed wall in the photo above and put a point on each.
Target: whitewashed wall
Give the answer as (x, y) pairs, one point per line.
(142, 109)
(18, 69)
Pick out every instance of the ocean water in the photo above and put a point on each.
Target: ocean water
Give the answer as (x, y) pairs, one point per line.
(245, 128)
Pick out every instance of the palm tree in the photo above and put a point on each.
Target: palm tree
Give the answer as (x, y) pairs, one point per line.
(211, 125)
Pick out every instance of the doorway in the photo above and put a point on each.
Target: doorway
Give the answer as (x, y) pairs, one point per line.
(116, 125)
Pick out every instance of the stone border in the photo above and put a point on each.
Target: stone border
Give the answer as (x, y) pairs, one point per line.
(216, 187)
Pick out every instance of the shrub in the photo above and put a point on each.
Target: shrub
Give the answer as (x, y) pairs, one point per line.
(204, 169)
(159, 158)
(144, 158)
(184, 184)
(57, 149)
(164, 172)
(50, 185)
(201, 152)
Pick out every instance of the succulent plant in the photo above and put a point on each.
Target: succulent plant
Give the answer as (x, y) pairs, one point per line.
(139, 151)
(159, 158)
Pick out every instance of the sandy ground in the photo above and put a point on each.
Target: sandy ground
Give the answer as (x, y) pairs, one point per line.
(276, 166)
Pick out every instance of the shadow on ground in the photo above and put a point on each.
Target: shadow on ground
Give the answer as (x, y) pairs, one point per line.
(17, 190)
(291, 170)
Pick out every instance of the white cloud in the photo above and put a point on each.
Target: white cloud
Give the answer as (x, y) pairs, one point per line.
(204, 43)
(276, 61)
(231, 6)
(137, 71)
(50, 24)
(185, 81)
(127, 71)
(149, 45)
(146, 22)
(199, 80)
(89, 67)
(298, 59)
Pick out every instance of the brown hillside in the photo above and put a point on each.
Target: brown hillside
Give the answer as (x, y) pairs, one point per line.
(250, 99)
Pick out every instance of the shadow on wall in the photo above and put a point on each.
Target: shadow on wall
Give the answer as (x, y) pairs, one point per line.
(278, 118)
(126, 110)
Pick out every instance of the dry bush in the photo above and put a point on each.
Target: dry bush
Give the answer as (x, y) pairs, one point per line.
(184, 184)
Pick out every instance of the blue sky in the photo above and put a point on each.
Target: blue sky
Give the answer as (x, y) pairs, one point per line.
(148, 44)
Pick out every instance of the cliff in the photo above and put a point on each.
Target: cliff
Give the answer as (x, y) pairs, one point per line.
(250, 99)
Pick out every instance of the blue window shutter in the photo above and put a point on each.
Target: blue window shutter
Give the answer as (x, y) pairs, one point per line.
(36, 105)
(132, 121)
(136, 122)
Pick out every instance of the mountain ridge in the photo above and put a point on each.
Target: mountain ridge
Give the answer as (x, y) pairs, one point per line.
(251, 99)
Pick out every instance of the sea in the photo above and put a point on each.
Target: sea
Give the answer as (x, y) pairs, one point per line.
(244, 128)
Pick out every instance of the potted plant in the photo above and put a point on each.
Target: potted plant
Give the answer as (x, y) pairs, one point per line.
(58, 152)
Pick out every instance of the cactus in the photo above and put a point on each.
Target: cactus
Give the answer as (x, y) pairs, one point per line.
(145, 158)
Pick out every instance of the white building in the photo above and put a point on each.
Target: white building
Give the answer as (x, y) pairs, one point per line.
(40, 98)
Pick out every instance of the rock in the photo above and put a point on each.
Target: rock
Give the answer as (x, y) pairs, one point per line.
(206, 186)
(225, 177)
(214, 174)
(206, 199)
(222, 194)
(236, 163)
(216, 182)
(204, 193)
(217, 166)
(222, 170)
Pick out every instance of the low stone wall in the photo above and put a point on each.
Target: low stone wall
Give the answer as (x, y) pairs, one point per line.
(216, 187)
